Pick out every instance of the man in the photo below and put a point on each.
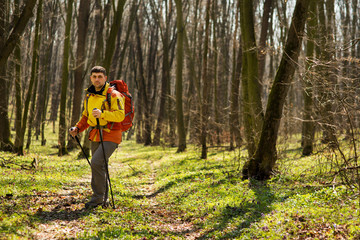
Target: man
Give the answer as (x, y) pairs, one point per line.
(96, 106)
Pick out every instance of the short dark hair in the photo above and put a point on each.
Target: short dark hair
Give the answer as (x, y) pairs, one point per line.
(98, 69)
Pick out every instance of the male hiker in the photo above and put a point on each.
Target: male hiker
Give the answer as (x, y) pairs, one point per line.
(98, 110)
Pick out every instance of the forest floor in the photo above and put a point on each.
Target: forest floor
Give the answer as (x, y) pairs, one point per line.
(160, 194)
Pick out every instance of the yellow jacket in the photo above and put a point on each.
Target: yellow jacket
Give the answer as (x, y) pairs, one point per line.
(108, 116)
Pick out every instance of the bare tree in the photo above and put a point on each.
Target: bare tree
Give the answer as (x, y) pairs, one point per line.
(251, 95)
(65, 80)
(110, 43)
(165, 30)
(179, 78)
(267, 12)
(308, 124)
(235, 135)
(83, 22)
(7, 45)
(34, 71)
(142, 86)
(261, 164)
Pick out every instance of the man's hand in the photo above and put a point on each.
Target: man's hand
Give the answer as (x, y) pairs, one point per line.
(96, 113)
(73, 131)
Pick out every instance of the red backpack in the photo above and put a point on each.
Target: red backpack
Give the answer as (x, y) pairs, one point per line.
(122, 88)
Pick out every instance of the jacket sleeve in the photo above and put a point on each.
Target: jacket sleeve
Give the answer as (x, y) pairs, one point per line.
(82, 124)
(117, 112)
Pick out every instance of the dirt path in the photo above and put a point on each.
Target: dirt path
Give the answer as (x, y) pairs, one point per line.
(165, 219)
(62, 213)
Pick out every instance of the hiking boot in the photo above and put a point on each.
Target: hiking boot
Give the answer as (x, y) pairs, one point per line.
(90, 205)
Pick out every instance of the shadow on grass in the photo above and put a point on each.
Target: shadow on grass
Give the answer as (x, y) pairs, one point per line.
(64, 214)
(35, 208)
(157, 192)
(167, 186)
(249, 211)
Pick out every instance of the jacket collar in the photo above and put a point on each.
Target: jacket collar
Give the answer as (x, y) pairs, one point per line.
(103, 90)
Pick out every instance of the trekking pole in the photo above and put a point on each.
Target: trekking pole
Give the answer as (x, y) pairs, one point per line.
(106, 163)
(82, 149)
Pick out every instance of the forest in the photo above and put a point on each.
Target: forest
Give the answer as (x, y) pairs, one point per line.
(254, 80)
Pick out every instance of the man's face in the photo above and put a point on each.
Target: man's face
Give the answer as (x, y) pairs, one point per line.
(98, 80)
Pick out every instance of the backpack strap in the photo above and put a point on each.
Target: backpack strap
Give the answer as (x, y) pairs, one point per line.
(132, 106)
(108, 96)
(87, 103)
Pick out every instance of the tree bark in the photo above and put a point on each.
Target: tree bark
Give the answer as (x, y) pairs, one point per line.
(195, 94)
(308, 124)
(326, 55)
(100, 19)
(252, 106)
(20, 145)
(165, 77)
(34, 71)
(261, 165)
(235, 88)
(216, 80)
(134, 9)
(7, 48)
(142, 87)
(83, 23)
(263, 36)
(18, 93)
(110, 43)
(7, 45)
(179, 77)
(65, 81)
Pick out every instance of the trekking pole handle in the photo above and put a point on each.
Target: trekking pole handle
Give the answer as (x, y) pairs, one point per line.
(72, 129)
(95, 109)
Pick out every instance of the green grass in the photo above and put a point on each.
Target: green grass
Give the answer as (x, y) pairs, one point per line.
(163, 195)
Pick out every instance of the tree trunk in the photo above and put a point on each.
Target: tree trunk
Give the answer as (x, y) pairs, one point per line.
(34, 71)
(206, 86)
(110, 43)
(7, 45)
(31, 89)
(142, 87)
(326, 55)
(216, 91)
(165, 79)
(65, 81)
(152, 69)
(99, 29)
(261, 165)
(194, 94)
(133, 10)
(7, 48)
(83, 22)
(308, 124)
(252, 106)
(19, 106)
(263, 36)
(18, 91)
(224, 73)
(179, 78)
(235, 87)
(48, 34)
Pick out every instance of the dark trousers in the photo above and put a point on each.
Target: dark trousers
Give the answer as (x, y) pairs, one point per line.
(99, 182)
